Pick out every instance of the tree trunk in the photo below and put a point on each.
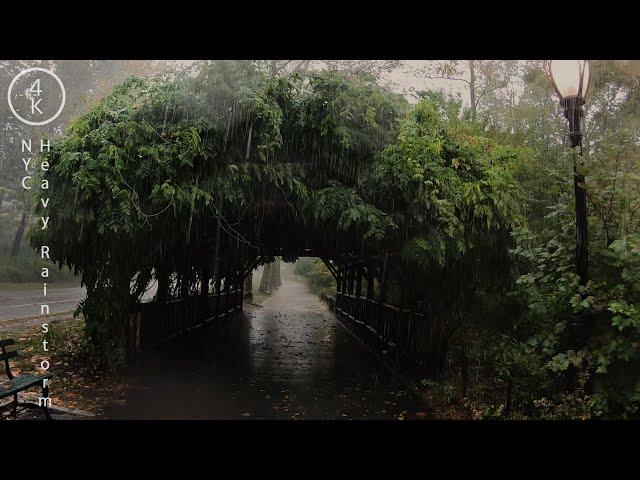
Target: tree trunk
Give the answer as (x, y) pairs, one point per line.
(265, 282)
(248, 286)
(17, 240)
(275, 272)
(582, 262)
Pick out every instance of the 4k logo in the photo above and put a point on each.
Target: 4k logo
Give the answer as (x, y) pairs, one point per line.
(36, 96)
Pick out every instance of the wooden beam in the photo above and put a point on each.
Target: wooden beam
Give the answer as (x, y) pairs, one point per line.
(331, 268)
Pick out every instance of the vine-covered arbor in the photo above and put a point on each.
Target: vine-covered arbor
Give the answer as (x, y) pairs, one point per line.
(190, 182)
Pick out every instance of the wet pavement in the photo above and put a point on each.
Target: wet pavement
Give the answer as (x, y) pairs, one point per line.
(25, 303)
(291, 359)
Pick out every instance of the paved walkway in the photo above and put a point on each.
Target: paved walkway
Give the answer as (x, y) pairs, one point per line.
(291, 359)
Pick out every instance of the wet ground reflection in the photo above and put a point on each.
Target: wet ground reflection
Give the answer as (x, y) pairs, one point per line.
(290, 359)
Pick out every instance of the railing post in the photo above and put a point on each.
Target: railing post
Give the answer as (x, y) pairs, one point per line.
(217, 288)
(227, 292)
(342, 275)
(204, 291)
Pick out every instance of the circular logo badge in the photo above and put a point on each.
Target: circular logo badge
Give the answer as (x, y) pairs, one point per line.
(36, 96)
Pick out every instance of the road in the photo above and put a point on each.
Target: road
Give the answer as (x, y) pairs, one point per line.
(21, 307)
(291, 359)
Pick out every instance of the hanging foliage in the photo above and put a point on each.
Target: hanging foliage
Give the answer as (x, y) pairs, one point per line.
(172, 179)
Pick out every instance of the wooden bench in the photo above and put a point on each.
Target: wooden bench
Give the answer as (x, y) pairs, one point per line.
(20, 383)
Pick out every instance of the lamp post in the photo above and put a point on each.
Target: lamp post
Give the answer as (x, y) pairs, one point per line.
(570, 79)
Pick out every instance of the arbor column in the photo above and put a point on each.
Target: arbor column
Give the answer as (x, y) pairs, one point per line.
(350, 279)
(163, 284)
(204, 290)
(383, 287)
(370, 280)
(217, 290)
(358, 280)
(186, 278)
(204, 281)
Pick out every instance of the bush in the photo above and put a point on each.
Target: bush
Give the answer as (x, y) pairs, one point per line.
(317, 275)
(27, 266)
(585, 340)
(71, 345)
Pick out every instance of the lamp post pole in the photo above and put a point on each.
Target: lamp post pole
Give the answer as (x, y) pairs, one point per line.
(573, 112)
(570, 79)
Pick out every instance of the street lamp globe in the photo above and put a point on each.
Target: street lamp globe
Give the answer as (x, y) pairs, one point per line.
(569, 77)
(570, 80)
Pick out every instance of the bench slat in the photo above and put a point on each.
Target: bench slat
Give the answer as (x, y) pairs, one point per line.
(6, 342)
(22, 383)
(8, 355)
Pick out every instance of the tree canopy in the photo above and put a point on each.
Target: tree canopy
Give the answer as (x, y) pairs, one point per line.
(322, 161)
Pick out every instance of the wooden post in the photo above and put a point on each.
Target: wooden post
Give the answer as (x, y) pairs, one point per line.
(184, 288)
(358, 310)
(368, 305)
(227, 291)
(163, 284)
(383, 281)
(204, 281)
(339, 285)
(217, 287)
(216, 258)
(383, 290)
(204, 291)
(370, 280)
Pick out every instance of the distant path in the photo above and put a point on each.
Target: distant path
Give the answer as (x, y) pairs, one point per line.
(22, 305)
(291, 359)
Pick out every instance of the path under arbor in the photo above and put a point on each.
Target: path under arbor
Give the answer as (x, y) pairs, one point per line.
(289, 359)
